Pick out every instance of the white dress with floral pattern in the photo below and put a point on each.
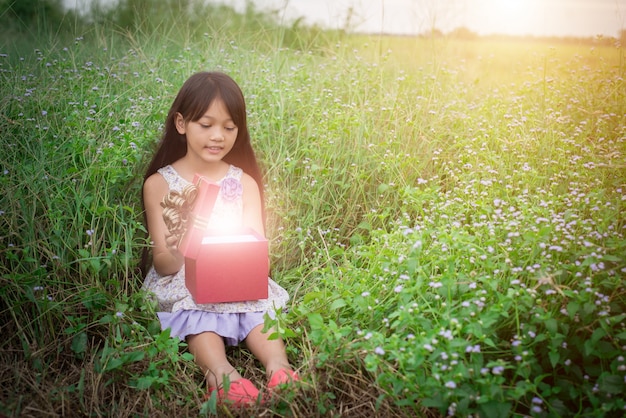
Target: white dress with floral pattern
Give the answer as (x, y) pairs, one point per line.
(170, 291)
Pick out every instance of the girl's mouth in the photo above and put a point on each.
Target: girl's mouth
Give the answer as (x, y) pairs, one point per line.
(213, 149)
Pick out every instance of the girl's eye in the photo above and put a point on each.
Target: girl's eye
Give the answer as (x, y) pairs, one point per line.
(205, 126)
(231, 128)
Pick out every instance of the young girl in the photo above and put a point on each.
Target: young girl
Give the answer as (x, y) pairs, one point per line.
(206, 133)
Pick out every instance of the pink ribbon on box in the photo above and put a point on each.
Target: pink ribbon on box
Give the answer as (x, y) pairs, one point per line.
(182, 209)
(177, 208)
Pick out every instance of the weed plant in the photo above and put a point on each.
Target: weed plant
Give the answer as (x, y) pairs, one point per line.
(447, 217)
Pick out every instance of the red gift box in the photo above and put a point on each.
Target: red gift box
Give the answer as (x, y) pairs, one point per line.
(222, 266)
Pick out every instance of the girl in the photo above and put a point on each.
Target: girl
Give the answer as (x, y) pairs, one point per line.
(206, 133)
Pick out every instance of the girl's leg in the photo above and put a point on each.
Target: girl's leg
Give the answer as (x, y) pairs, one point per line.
(209, 353)
(271, 353)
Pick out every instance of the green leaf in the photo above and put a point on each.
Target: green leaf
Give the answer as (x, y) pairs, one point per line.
(144, 382)
(79, 343)
(134, 356)
(495, 409)
(598, 333)
(490, 343)
(288, 333)
(365, 225)
(551, 326)
(312, 297)
(614, 258)
(339, 303)
(554, 358)
(316, 321)
(588, 309)
(572, 309)
(433, 403)
(93, 299)
(112, 364)
(612, 384)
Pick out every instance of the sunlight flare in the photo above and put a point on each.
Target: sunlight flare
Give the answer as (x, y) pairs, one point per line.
(512, 16)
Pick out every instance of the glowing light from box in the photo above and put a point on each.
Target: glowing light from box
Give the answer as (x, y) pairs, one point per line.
(228, 239)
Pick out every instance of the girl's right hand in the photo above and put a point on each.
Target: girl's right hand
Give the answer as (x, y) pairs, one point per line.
(166, 256)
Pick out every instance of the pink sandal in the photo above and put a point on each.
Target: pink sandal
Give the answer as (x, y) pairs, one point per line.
(241, 392)
(282, 377)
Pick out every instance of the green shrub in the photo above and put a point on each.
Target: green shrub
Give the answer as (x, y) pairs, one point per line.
(454, 309)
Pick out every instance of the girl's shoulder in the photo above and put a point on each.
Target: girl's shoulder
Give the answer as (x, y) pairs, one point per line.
(153, 180)
(237, 173)
(234, 172)
(155, 185)
(248, 182)
(173, 179)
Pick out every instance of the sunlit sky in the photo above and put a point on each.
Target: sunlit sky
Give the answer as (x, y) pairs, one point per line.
(584, 18)
(513, 17)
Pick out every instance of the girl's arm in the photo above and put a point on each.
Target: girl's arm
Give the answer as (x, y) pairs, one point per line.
(166, 257)
(252, 215)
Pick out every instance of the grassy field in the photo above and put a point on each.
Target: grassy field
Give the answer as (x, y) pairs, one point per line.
(447, 215)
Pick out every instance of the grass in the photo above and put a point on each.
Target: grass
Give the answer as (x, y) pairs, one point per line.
(446, 215)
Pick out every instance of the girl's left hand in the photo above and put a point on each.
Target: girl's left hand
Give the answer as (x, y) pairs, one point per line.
(171, 242)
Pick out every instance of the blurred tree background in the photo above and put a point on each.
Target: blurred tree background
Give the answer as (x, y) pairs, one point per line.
(44, 14)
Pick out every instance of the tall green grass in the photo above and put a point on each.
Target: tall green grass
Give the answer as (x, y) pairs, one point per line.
(447, 216)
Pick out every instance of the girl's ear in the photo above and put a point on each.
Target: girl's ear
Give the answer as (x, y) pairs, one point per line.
(179, 121)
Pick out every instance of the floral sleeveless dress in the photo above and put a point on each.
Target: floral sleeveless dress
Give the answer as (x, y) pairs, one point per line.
(176, 307)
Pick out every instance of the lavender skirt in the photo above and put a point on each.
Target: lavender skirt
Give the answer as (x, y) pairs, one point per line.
(232, 327)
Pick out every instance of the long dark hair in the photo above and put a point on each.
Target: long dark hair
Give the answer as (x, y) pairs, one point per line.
(194, 98)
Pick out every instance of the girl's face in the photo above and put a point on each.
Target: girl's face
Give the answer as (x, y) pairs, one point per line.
(212, 136)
